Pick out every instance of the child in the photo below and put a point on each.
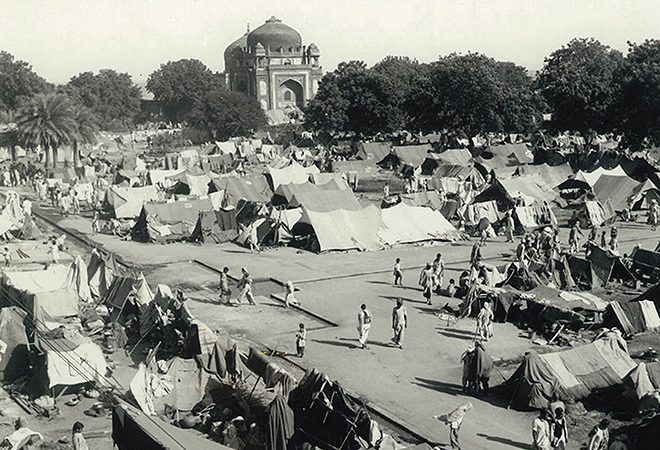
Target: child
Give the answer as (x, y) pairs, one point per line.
(7, 255)
(398, 273)
(78, 438)
(289, 297)
(451, 289)
(300, 340)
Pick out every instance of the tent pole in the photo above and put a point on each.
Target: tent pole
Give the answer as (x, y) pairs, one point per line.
(254, 387)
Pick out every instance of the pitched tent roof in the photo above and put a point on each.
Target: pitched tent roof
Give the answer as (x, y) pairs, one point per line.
(126, 202)
(456, 156)
(634, 317)
(412, 155)
(504, 155)
(599, 213)
(285, 192)
(252, 189)
(552, 176)
(215, 227)
(325, 178)
(474, 212)
(592, 177)
(326, 200)
(528, 187)
(196, 185)
(293, 173)
(358, 166)
(341, 229)
(373, 151)
(621, 191)
(572, 374)
(407, 224)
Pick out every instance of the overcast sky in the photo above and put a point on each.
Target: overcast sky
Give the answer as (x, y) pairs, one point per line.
(62, 38)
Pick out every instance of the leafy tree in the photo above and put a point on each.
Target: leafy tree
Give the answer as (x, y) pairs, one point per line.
(473, 94)
(638, 105)
(226, 114)
(578, 83)
(85, 128)
(178, 85)
(17, 81)
(111, 97)
(46, 120)
(355, 100)
(404, 74)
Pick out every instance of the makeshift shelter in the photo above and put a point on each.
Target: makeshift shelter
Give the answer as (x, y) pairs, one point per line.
(70, 363)
(326, 200)
(411, 156)
(474, 212)
(15, 361)
(533, 217)
(571, 374)
(127, 290)
(404, 224)
(607, 265)
(646, 264)
(131, 429)
(523, 191)
(101, 271)
(462, 173)
(285, 192)
(373, 151)
(127, 202)
(194, 185)
(252, 189)
(504, 155)
(633, 317)
(326, 416)
(622, 192)
(164, 178)
(339, 229)
(215, 227)
(168, 222)
(595, 213)
(552, 176)
(293, 173)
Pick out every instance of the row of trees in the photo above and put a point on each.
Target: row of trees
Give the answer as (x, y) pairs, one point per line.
(50, 116)
(588, 87)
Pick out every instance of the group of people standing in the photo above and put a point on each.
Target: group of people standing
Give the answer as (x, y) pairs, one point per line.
(399, 324)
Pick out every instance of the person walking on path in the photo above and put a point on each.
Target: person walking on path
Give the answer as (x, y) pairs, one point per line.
(599, 436)
(398, 273)
(6, 254)
(438, 272)
(574, 237)
(364, 325)
(399, 323)
(95, 223)
(559, 430)
(454, 419)
(541, 431)
(225, 292)
(301, 337)
(426, 282)
(485, 322)
(54, 252)
(245, 286)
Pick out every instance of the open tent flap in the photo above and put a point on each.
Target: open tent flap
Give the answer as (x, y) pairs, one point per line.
(78, 365)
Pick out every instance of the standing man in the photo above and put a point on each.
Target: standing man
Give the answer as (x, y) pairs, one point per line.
(475, 255)
(438, 272)
(599, 436)
(225, 292)
(364, 325)
(245, 286)
(509, 227)
(541, 431)
(573, 238)
(399, 323)
(426, 282)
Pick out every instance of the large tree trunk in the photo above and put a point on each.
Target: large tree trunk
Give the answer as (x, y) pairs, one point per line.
(54, 158)
(49, 158)
(14, 156)
(76, 155)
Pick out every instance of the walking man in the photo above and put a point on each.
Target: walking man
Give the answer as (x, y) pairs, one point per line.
(399, 323)
(573, 238)
(245, 286)
(454, 419)
(364, 325)
(438, 272)
(225, 292)
(426, 282)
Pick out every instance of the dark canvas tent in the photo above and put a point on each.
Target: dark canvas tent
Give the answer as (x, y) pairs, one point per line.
(285, 192)
(373, 151)
(646, 264)
(571, 374)
(461, 173)
(607, 265)
(15, 361)
(411, 156)
(504, 155)
(633, 317)
(215, 227)
(622, 192)
(169, 222)
(252, 189)
(552, 176)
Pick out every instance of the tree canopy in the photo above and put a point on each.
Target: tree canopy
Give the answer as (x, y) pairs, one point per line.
(638, 105)
(177, 85)
(354, 99)
(226, 114)
(111, 97)
(577, 81)
(473, 94)
(17, 81)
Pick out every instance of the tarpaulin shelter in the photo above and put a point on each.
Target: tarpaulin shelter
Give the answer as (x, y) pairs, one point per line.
(583, 273)
(474, 212)
(504, 155)
(101, 270)
(172, 221)
(633, 317)
(131, 429)
(325, 178)
(608, 266)
(69, 363)
(404, 224)
(340, 229)
(15, 361)
(127, 202)
(463, 173)
(373, 151)
(552, 176)
(195, 185)
(431, 199)
(131, 289)
(252, 189)
(510, 192)
(646, 263)
(571, 374)
(293, 173)
(597, 213)
(326, 416)
(622, 192)
(535, 216)
(215, 227)
(164, 178)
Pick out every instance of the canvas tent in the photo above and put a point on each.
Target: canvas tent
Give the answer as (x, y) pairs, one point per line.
(504, 155)
(252, 189)
(293, 173)
(326, 200)
(535, 216)
(474, 212)
(215, 227)
(527, 190)
(373, 151)
(412, 156)
(633, 317)
(340, 229)
(285, 192)
(571, 374)
(166, 222)
(127, 202)
(404, 224)
(552, 176)
(622, 192)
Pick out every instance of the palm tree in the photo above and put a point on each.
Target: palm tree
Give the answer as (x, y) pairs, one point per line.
(8, 132)
(46, 120)
(86, 128)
